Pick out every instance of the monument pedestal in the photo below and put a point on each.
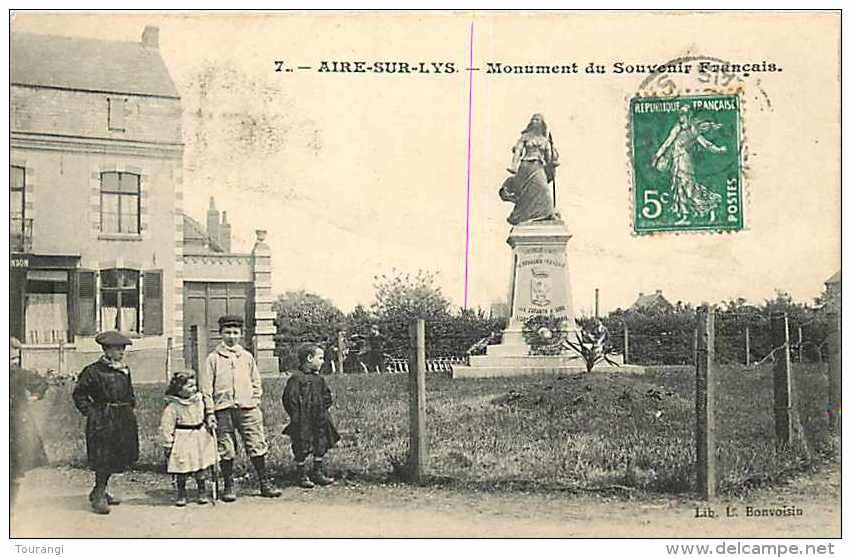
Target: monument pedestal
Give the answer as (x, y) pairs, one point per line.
(539, 286)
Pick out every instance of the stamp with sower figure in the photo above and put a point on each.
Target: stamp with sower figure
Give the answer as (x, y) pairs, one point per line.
(686, 163)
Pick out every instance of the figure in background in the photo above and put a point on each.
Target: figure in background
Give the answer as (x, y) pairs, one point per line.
(26, 449)
(375, 356)
(533, 167)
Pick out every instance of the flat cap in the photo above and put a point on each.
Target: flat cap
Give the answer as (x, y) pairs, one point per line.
(112, 339)
(231, 320)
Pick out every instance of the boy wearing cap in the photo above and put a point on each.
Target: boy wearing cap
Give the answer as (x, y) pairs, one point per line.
(231, 388)
(104, 394)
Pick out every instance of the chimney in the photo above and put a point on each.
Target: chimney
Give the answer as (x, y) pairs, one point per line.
(640, 294)
(224, 233)
(659, 292)
(213, 222)
(151, 37)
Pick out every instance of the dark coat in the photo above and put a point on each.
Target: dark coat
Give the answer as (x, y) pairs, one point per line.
(307, 399)
(26, 450)
(105, 396)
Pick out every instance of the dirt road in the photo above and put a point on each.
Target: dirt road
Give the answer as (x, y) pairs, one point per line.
(53, 504)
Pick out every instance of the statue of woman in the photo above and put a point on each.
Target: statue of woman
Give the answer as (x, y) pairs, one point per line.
(674, 157)
(532, 168)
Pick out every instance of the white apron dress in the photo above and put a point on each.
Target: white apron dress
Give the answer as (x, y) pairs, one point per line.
(182, 428)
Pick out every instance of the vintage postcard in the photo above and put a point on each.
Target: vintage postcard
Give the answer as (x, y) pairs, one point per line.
(569, 274)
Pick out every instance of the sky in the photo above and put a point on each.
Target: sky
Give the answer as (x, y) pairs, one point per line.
(358, 175)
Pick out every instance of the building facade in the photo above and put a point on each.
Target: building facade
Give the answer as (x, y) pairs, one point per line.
(217, 281)
(96, 220)
(95, 190)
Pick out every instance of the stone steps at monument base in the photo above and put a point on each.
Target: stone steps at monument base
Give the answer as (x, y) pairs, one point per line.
(542, 369)
(526, 360)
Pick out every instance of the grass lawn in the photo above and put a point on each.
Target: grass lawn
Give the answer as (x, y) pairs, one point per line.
(573, 433)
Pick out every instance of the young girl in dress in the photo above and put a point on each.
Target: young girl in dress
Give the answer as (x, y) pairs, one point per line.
(189, 447)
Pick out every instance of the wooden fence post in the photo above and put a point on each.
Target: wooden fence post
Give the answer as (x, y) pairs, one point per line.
(418, 448)
(694, 346)
(625, 343)
(747, 346)
(800, 344)
(199, 345)
(834, 373)
(341, 346)
(596, 303)
(782, 380)
(169, 345)
(193, 347)
(60, 361)
(705, 402)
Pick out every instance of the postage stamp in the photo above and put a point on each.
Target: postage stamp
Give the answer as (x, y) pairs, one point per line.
(686, 163)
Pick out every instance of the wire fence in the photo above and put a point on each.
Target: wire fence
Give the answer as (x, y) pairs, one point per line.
(739, 339)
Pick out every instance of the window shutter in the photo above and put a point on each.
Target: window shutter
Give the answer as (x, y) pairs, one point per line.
(152, 305)
(86, 296)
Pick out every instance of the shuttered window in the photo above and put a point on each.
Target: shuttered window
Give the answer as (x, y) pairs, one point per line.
(86, 303)
(152, 305)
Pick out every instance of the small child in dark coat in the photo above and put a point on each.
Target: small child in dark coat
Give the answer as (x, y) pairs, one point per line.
(307, 400)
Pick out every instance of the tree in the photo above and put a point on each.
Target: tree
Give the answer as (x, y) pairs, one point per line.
(401, 297)
(303, 317)
(359, 320)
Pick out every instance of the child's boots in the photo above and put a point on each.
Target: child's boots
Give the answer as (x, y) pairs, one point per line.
(267, 487)
(228, 494)
(303, 478)
(97, 497)
(202, 491)
(181, 491)
(318, 476)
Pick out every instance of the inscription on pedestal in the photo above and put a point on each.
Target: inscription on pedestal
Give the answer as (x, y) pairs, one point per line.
(540, 283)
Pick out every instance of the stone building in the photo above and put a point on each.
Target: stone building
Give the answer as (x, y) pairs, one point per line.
(217, 281)
(833, 291)
(96, 220)
(654, 302)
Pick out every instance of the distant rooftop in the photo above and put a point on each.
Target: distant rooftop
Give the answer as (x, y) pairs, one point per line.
(648, 301)
(91, 64)
(194, 234)
(835, 279)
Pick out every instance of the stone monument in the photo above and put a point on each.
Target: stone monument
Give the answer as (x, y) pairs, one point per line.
(539, 284)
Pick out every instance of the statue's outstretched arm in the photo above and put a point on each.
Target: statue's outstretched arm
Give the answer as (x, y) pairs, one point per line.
(709, 146)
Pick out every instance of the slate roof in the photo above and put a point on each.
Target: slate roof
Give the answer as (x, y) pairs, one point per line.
(193, 231)
(653, 300)
(88, 65)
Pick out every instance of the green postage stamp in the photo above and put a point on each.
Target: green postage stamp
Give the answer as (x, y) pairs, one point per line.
(686, 163)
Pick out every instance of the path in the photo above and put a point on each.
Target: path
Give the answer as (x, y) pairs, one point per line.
(53, 504)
